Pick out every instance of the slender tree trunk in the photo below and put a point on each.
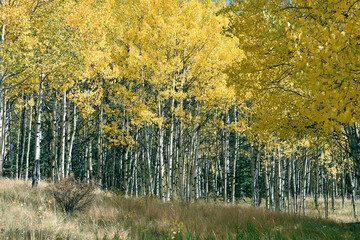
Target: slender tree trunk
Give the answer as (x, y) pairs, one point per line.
(352, 133)
(272, 182)
(253, 175)
(207, 176)
(316, 197)
(190, 169)
(9, 152)
(333, 193)
(100, 156)
(216, 177)
(86, 156)
(135, 173)
(71, 142)
(183, 164)
(353, 193)
(279, 183)
(170, 155)
(23, 142)
(157, 174)
(162, 165)
(27, 161)
(113, 169)
(235, 159)
(289, 160)
(267, 180)
(62, 138)
(305, 172)
(53, 141)
(89, 170)
(2, 99)
(36, 170)
(326, 196)
(294, 168)
(161, 156)
(343, 186)
(18, 145)
(334, 178)
(148, 161)
(226, 156)
(126, 171)
(195, 173)
(277, 179)
(2, 127)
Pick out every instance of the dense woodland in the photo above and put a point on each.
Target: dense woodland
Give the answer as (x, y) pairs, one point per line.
(185, 100)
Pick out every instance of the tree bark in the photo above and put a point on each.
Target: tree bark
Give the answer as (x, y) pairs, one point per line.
(353, 193)
(2, 128)
(53, 141)
(305, 173)
(27, 161)
(36, 170)
(62, 138)
(100, 141)
(18, 151)
(236, 150)
(71, 142)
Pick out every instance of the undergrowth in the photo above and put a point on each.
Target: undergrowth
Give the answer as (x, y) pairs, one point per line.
(31, 213)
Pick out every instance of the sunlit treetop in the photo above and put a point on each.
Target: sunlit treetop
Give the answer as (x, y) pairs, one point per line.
(301, 67)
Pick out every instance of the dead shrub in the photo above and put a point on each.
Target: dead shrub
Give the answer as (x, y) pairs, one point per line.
(72, 195)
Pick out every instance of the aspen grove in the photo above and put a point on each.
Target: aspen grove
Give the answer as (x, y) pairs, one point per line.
(185, 100)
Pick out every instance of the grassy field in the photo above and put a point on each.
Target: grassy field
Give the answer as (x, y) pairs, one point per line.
(28, 213)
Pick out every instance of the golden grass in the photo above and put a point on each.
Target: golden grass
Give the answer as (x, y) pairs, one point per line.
(29, 213)
(341, 215)
(345, 215)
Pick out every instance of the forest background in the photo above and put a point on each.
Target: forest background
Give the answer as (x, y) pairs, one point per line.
(184, 100)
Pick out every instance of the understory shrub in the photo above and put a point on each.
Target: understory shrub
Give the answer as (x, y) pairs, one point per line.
(72, 195)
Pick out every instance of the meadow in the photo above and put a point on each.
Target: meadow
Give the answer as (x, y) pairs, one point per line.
(32, 213)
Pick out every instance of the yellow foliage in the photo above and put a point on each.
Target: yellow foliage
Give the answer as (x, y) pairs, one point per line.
(301, 67)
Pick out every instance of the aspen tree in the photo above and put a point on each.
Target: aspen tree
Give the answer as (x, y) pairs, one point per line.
(236, 152)
(21, 127)
(301, 55)
(71, 140)
(23, 140)
(63, 137)
(27, 159)
(37, 162)
(53, 141)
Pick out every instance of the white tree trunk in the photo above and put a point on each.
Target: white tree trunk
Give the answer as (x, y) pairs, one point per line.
(234, 163)
(27, 161)
(100, 155)
(2, 129)
(23, 142)
(161, 157)
(62, 138)
(226, 155)
(305, 172)
(36, 171)
(353, 193)
(148, 161)
(21, 121)
(53, 141)
(71, 143)
(170, 158)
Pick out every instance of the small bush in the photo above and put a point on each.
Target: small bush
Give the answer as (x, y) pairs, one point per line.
(72, 195)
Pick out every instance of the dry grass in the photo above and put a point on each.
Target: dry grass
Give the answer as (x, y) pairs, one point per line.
(30, 213)
(27, 213)
(345, 215)
(341, 215)
(220, 220)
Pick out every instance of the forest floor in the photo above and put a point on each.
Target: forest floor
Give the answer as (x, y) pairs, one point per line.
(30, 213)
